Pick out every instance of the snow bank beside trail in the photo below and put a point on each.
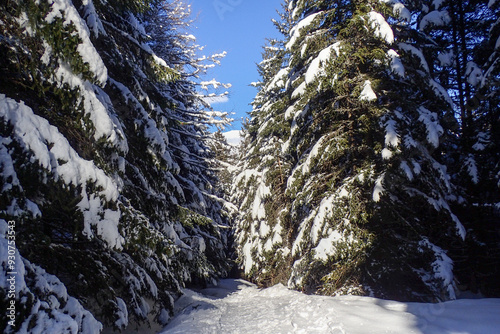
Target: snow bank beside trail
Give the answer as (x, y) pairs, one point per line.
(240, 307)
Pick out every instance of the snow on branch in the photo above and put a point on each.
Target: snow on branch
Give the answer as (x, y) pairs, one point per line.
(64, 9)
(214, 83)
(92, 18)
(382, 28)
(434, 129)
(296, 30)
(435, 18)
(54, 153)
(367, 94)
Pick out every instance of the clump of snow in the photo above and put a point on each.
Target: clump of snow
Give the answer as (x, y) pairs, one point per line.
(326, 246)
(204, 84)
(483, 139)
(470, 164)
(159, 61)
(122, 314)
(440, 91)
(278, 80)
(378, 189)
(435, 18)
(300, 90)
(276, 238)
(367, 94)
(402, 12)
(24, 23)
(136, 25)
(434, 129)
(236, 306)
(406, 168)
(399, 9)
(104, 220)
(460, 227)
(417, 169)
(258, 210)
(320, 216)
(445, 177)
(391, 135)
(304, 46)
(474, 74)
(381, 27)
(296, 11)
(396, 63)
(305, 167)
(263, 229)
(317, 65)
(247, 256)
(33, 209)
(386, 154)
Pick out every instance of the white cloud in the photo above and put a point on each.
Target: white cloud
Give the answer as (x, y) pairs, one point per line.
(233, 137)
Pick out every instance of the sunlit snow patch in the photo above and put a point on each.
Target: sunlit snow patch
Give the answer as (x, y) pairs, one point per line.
(367, 94)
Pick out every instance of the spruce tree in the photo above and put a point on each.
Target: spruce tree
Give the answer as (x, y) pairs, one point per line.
(345, 187)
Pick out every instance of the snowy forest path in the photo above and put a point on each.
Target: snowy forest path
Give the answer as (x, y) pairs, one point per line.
(236, 306)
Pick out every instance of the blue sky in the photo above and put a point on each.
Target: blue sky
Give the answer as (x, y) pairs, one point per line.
(239, 27)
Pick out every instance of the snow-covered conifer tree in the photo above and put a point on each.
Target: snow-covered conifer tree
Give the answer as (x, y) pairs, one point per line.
(105, 164)
(344, 188)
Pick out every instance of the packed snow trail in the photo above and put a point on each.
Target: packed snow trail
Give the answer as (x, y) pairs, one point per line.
(236, 306)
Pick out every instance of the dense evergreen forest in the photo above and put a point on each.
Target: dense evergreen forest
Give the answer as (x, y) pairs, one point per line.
(370, 163)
